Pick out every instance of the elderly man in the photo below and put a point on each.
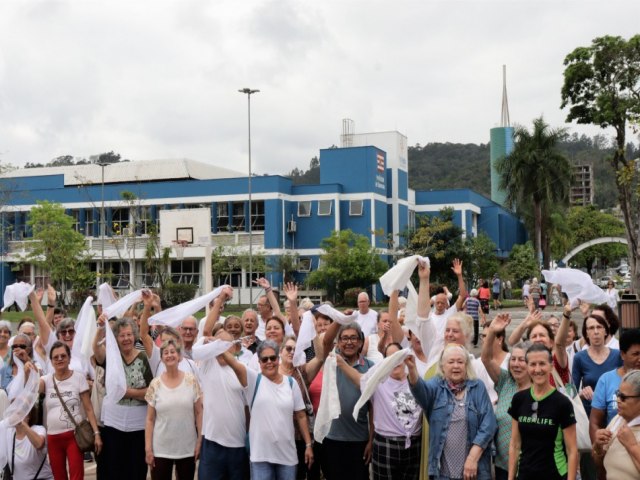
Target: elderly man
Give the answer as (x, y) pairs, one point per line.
(442, 311)
(367, 318)
(250, 324)
(188, 332)
(268, 307)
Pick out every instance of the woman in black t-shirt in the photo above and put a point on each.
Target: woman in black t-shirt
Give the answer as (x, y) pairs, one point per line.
(543, 432)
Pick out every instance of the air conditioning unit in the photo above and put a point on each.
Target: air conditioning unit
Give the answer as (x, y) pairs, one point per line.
(126, 231)
(291, 226)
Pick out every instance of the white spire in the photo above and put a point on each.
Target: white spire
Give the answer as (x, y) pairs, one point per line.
(504, 119)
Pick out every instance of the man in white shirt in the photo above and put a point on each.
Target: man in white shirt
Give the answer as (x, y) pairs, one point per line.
(367, 318)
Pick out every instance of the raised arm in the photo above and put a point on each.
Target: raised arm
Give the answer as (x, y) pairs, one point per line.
(273, 301)
(519, 331)
(99, 347)
(561, 337)
(424, 297)
(329, 338)
(351, 373)
(51, 304)
(291, 291)
(397, 334)
(214, 310)
(44, 328)
(462, 288)
(145, 338)
(498, 324)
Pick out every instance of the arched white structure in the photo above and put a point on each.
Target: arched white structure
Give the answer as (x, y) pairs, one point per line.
(590, 243)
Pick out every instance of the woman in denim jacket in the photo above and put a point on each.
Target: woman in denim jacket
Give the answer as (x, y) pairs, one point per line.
(460, 413)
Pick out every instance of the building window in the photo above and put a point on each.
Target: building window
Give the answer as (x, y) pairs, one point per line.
(304, 264)
(120, 221)
(257, 216)
(115, 273)
(89, 221)
(40, 278)
(304, 209)
(142, 219)
(412, 220)
(356, 208)
(222, 216)
(238, 216)
(324, 208)
(185, 271)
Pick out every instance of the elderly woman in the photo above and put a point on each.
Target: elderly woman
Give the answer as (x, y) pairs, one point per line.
(22, 349)
(507, 383)
(124, 422)
(66, 391)
(274, 398)
(274, 330)
(459, 412)
(174, 419)
(543, 428)
(397, 421)
(617, 447)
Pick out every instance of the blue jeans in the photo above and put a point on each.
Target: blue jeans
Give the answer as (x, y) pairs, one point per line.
(218, 462)
(272, 471)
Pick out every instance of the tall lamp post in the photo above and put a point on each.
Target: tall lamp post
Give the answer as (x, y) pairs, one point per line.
(102, 165)
(248, 92)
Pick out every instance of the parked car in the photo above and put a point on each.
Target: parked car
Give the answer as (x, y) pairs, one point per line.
(604, 281)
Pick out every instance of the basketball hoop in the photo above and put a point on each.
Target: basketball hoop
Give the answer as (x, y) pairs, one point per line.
(178, 248)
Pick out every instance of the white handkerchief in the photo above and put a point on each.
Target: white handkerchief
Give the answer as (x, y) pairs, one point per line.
(329, 408)
(336, 315)
(17, 293)
(201, 351)
(306, 335)
(106, 297)
(115, 380)
(397, 277)
(175, 315)
(121, 306)
(85, 331)
(576, 284)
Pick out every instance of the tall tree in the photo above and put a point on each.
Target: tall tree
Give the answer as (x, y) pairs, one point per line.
(536, 174)
(602, 87)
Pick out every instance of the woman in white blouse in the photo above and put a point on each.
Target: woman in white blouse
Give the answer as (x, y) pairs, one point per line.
(174, 419)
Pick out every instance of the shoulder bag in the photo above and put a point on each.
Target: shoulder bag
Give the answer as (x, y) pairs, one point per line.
(83, 432)
(582, 421)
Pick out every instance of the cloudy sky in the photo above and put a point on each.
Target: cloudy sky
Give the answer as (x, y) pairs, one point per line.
(159, 79)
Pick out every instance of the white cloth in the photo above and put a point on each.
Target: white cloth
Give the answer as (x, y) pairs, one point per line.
(17, 293)
(336, 315)
(307, 334)
(223, 418)
(27, 458)
(175, 315)
(271, 432)
(106, 297)
(118, 308)
(57, 419)
(376, 375)
(372, 352)
(329, 408)
(86, 328)
(397, 277)
(174, 430)
(115, 380)
(576, 284)
(202, 351)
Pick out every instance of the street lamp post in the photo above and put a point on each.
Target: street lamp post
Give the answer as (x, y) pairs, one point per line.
(102, 165)
(249, 92)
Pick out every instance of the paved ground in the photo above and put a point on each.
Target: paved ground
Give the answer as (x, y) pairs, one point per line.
(517, 315)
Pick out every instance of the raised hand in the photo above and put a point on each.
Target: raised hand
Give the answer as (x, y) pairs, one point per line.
(457, 266)
(291, 291)
(262, 282)
(51, 295)
(500, 322)
(423, 271)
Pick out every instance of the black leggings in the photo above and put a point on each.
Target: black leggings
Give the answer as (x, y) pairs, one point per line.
(163, 469)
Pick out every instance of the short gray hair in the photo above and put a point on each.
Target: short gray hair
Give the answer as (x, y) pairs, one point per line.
(123, 323)
(633, 379)
(5, 324)
(267, 344)
(65, 323)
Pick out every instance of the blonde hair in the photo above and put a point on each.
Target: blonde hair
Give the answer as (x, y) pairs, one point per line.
(454, 348)
(466, 325)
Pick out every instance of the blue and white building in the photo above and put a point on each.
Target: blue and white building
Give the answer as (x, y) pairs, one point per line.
(363, 187)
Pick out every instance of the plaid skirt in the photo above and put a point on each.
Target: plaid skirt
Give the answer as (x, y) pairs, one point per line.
(392, 461)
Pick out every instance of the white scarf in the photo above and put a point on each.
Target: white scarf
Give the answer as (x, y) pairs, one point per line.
(337, 316)
(118, 308)
(577, 285)
(115, 380)
(202, 351)
(305, 336)
(397, 277)
(375, 376)
(106, 297)
(85, 331)
(175, 315)
(329, 408)
(17, 293)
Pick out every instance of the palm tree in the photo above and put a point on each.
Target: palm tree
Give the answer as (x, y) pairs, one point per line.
(535, 175)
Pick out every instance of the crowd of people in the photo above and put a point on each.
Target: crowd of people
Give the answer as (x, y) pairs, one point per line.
(311, 392)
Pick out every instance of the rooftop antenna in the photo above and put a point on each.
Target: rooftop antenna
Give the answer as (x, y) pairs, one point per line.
(348, 129)
(504, 119)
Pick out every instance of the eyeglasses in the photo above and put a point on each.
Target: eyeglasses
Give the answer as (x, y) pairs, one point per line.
(270, 358)
(189, 329)
(289, 348)
(534, 410)
(623, 398)
(353, 339)
(16, 346)
(70, 331)
(59, 357)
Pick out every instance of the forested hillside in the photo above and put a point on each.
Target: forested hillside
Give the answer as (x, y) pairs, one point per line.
(458, 165)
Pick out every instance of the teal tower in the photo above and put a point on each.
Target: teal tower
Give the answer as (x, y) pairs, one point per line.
(501, 143)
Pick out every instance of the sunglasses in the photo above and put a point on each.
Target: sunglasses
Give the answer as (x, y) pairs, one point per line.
(16, 346)
(270, 358)
(534, 410)
(289, 348)
(623, 398)
(70, 331)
